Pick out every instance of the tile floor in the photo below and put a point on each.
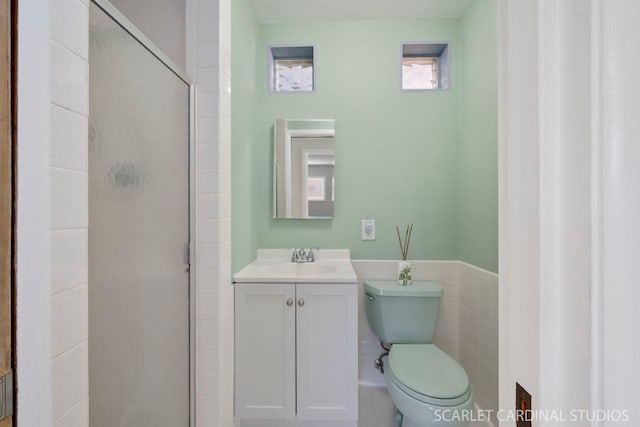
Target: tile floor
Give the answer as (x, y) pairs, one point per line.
(375, 408)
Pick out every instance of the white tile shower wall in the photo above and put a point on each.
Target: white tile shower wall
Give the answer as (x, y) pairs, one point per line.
(479, 333)
(446, 337)
(69, 216)
(208, 58)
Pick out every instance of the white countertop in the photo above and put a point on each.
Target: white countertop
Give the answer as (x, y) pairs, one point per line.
(275, 266)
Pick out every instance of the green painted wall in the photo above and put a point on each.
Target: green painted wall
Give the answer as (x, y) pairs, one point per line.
(399, 155)
(244, 86)
(396, 153)
(478, 155)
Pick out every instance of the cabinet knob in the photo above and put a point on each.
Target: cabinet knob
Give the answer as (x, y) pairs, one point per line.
(301, 302)
(290, 302)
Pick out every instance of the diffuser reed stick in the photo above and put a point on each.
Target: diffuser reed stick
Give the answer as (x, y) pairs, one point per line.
(404, 246)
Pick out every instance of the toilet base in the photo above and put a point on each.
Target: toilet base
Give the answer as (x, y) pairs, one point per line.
(398, 417)
(402, 421)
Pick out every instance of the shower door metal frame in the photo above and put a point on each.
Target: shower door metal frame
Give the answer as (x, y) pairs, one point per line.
(130, 28)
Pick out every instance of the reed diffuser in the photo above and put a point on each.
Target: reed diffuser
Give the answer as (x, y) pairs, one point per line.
(404, 267)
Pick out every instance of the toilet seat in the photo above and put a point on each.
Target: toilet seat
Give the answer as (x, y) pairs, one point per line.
(428, 374)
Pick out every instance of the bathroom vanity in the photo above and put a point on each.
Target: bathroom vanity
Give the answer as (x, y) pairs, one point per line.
(296, 341)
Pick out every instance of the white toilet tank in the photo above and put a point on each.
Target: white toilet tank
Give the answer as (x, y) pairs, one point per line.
(402, 314)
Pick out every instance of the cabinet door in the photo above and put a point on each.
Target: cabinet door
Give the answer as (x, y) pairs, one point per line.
(327, 350)
(265, 351)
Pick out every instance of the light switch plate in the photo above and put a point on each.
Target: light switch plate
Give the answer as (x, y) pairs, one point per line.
(523, 407)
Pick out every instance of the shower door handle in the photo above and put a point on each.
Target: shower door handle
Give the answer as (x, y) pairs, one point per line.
(186, 256)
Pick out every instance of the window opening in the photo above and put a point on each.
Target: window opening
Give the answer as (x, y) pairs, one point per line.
(291, 69)
(425, 66)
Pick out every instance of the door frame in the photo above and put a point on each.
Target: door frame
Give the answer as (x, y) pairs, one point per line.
(7, 193)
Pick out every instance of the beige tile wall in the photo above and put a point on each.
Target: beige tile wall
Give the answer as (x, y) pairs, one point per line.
(479, 333)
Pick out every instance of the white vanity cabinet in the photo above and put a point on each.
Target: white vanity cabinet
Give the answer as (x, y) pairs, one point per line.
(296, 353)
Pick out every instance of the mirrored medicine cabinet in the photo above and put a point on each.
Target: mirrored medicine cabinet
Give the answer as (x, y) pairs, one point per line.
(303, 168)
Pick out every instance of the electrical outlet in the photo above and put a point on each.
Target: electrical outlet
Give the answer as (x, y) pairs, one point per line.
(368, 229)
(523, 407)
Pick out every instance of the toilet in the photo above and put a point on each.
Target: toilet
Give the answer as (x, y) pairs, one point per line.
(426, 385)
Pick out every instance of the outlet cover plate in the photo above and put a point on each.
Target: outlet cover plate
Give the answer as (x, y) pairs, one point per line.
(368, 229)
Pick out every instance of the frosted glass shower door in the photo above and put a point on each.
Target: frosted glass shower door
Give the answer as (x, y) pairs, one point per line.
(138, 229)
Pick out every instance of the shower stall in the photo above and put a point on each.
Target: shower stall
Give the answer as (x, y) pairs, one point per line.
(140, 134)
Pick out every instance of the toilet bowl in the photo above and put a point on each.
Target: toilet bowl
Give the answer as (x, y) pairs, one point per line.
(426, 385)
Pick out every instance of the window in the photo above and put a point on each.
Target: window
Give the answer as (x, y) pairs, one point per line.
(291, 69)
(425, 66)
(315, 189)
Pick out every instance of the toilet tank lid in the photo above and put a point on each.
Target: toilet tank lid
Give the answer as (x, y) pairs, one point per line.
(418, 288)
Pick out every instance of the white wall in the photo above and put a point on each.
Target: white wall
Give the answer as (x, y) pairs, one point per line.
(569, 205)
(479, 334)
(545, 203)
(617, 158)
(565, 201)
(519, 206)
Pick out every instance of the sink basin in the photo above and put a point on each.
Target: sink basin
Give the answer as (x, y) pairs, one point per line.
(275, 266)
(295, 269)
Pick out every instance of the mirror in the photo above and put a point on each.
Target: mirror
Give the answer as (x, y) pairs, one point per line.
(303, 168)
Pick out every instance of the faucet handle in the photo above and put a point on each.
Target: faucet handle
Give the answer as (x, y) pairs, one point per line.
(310, 256)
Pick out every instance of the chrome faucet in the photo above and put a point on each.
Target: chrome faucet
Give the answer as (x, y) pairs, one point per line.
(300, 255)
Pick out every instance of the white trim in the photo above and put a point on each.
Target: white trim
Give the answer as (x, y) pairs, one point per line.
(128, 26)
(504, 238)
(287, 171)
(620, 205)
(310, 133)
(550, 214)
(33, 257)
(192, 255)
(597, 338)
(518, 205)
(564, 216)
(571, 111)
